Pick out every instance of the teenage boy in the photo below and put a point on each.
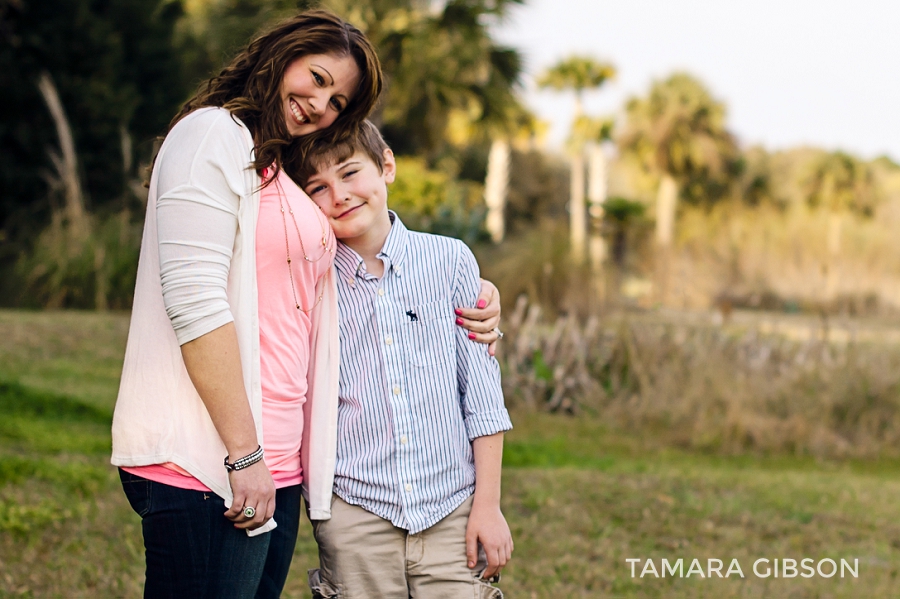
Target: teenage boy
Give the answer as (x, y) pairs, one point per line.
(421, 417)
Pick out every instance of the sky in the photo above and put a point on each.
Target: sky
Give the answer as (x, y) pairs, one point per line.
(791, 72)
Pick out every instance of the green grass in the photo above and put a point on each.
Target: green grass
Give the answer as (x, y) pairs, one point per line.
(599, 497)
(580, 498)
(71, 353)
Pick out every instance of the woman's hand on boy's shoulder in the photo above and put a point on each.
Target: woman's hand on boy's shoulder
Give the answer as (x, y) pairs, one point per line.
(482, 320)
(487, 527)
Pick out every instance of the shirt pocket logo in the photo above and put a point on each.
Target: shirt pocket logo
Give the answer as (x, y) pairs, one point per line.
(429, 336)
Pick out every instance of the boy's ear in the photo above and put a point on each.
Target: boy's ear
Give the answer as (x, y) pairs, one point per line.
(390, 166)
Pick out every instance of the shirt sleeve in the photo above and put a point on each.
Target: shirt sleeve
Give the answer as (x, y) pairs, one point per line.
(478, 373)
(200, 184)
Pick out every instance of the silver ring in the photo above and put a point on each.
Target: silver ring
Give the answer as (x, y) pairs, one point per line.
(499, 333)
(249, 511)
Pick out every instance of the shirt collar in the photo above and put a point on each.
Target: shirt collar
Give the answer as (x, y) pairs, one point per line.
(350, 264)
(395, 245)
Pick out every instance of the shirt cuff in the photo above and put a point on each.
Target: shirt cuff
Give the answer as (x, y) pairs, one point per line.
(487, 423)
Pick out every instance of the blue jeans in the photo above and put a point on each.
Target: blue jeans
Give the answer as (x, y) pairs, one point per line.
(192, 550)
(281, 542)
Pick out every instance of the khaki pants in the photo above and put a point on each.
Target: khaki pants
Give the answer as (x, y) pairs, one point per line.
(366, 557)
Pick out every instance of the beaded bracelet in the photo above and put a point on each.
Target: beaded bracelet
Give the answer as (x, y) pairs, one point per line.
(245, 461)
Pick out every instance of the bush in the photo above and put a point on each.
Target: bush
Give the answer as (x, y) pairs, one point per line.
(431, 201)
(70, 268)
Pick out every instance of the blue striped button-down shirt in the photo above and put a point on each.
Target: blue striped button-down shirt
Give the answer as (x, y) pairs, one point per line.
(414, 390)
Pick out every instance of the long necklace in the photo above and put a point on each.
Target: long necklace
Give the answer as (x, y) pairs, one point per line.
(325, 249)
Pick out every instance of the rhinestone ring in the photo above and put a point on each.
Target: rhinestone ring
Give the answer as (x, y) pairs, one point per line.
(249, 511)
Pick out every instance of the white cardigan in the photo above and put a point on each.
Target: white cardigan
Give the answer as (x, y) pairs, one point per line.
(197, 272)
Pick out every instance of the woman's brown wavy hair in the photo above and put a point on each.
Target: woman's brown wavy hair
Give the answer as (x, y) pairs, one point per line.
(250, 87)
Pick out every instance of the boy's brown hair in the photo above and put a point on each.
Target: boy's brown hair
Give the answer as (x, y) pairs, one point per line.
(324, 152)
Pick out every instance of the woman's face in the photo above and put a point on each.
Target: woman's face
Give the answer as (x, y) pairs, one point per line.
(315, 89)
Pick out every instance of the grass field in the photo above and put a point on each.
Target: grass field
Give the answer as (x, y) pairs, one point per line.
(580, 498)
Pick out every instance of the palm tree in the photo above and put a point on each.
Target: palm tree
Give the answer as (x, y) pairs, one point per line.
(590, 133)
(841, 184)
(496, 183)
(678, 134)
(577, 73)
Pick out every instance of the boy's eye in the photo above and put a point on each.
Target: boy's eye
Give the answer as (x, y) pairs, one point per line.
(349, 174)
(311, 191)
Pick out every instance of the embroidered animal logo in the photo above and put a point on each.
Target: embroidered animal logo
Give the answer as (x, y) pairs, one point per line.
(412, 316)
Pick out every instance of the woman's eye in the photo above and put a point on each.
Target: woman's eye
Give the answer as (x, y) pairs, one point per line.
(318, 78)
(336, 104)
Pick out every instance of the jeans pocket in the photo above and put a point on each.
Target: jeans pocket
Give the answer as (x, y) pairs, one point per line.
(321, 588)
(137, 490)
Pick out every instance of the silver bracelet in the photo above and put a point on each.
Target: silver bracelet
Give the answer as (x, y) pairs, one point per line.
(245, 461)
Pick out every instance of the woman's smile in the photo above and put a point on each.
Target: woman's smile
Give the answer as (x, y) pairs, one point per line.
(297, 113)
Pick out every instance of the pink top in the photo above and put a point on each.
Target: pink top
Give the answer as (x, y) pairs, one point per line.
(303, 233)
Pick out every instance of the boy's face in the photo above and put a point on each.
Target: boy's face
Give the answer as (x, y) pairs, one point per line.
(353, 195)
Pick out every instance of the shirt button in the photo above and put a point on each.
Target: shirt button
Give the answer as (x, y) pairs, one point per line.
(396, 390)
(388, 340)
(403, 440)
(381, 292)
(408, 487)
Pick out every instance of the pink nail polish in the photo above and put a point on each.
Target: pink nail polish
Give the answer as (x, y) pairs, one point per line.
(459, 321)
(471, 335)
(458, 312)
(482, 303)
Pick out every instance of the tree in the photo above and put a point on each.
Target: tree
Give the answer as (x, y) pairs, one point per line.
(589, 134)
(840, 184)
(111, 69)
(577, 73)
(117, 76)
(678, 134)
(502, 179)
(496, 184)
(752, 184)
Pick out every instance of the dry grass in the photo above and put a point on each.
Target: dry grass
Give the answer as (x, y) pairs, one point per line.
(746, 252)
(724, 389)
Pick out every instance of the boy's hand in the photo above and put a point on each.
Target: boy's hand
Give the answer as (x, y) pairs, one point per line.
(483, 318)
(488, 527)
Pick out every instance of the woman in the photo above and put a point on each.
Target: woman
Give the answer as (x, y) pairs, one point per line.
(232, 352)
